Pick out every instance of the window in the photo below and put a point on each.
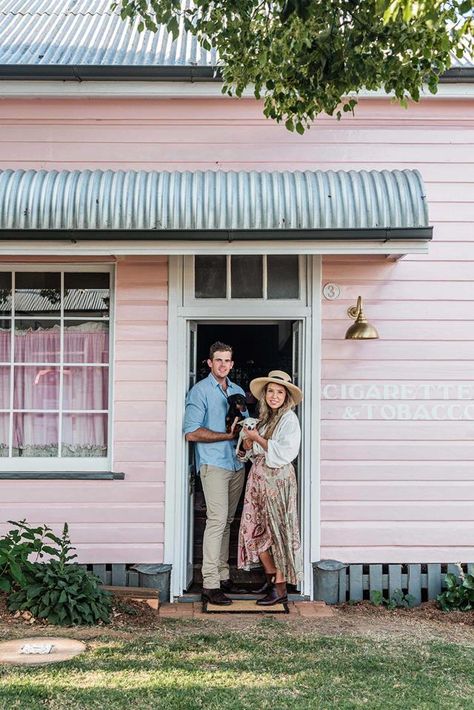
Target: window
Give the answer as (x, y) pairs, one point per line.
(54, 366)
(264, 277)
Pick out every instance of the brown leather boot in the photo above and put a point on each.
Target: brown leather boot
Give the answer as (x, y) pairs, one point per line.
(267, 585)
(276, 595)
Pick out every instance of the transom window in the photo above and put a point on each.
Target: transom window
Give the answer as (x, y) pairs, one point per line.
(54, 364)
(265, 277)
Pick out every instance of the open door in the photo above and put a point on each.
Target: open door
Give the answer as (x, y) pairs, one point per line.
(297, 350)
(190, 460)
(297, 370)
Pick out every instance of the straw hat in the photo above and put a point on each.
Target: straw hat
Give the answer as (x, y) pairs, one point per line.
(279, 378)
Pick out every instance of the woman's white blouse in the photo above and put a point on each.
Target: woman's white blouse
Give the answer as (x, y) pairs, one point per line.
(284, 445)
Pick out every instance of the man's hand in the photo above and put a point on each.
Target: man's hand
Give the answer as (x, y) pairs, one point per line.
(206, 436)
(233, 434)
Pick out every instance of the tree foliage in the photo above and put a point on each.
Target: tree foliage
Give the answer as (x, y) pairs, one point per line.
(305, 57)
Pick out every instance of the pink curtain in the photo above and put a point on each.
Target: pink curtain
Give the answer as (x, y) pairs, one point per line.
(37, 387)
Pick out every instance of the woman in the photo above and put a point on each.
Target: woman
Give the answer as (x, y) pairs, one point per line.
(269, 524)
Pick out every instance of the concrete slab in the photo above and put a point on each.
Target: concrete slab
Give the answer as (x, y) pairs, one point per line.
(62, 650)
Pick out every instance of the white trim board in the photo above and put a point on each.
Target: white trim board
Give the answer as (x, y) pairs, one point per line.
(31, 89)
(178, 248)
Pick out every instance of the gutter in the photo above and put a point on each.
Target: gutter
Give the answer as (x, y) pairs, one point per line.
(98, 72)
(384, 234)
(455, 74)
(142, 72)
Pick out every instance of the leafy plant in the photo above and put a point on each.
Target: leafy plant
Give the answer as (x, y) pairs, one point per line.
(16, 549)
(459, 593)
(398, 600)
(307, 57)
(58, 590)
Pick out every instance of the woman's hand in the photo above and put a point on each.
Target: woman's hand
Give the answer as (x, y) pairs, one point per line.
(253, 435)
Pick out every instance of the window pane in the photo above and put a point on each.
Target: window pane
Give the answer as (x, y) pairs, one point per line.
(86, 294)
(86, 341)
(210, 276)
(84, 435)
(36, 388)
(35, 435)
(5, 340)
(86, 388)
(282, 277)
(37, 341)
(37, 293)
(247, 276)
(5, 293)
(4, 387)
(4, 433)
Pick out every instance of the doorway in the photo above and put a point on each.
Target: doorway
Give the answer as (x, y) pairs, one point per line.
(258, 348)
(185, 312)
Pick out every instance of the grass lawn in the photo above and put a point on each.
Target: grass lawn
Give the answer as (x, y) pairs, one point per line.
(266, 664)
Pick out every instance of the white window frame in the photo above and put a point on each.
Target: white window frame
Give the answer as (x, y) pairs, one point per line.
(191, 300)
(69, 463)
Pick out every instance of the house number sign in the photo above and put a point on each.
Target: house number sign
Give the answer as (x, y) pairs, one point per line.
(331, 291)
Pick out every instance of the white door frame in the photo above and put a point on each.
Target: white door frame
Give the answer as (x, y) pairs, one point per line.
(175, 534)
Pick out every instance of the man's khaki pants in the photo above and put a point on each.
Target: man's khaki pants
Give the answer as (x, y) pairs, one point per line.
(222, 489)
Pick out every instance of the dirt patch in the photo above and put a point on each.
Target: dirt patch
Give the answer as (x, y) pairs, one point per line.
(131, 618)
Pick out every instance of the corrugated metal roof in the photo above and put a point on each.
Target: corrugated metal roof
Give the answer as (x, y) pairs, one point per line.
(88, 32)
(117, 200)
(31, 301)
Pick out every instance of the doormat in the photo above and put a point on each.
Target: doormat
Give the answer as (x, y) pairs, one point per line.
(244, 606)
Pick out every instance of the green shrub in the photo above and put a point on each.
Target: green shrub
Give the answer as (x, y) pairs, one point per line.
(58, 590)
(398, 600)
(63, 594)
(459, 593)
(16, 549)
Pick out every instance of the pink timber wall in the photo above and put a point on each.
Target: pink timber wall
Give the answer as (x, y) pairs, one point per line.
(393, 488)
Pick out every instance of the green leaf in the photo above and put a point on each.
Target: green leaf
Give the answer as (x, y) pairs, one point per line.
(468, 581)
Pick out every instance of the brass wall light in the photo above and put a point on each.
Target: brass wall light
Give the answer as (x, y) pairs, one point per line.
(361, 329)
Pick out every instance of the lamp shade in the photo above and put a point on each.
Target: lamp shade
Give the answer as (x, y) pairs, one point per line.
(361, 329)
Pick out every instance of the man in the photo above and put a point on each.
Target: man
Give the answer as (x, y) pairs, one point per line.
(222, 475)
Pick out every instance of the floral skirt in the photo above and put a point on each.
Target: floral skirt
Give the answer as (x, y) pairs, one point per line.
(270, 520)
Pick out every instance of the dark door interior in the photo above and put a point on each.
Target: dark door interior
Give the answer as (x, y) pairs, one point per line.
(258, 349)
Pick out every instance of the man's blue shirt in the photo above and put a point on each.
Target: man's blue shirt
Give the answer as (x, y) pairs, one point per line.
(206, 406)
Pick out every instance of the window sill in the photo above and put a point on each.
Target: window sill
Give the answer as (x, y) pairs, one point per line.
(63, 475)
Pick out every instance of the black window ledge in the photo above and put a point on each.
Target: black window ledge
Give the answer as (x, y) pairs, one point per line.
(63, 475)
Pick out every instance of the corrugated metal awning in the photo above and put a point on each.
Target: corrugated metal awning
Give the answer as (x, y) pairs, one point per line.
(164, 205)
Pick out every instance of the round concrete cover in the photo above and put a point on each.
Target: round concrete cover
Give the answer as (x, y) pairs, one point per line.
(63, 649)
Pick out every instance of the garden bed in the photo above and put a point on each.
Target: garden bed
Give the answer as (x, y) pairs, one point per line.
(125, 612)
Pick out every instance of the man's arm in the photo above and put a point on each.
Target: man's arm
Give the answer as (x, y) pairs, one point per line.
(194, 417)
(204, 435)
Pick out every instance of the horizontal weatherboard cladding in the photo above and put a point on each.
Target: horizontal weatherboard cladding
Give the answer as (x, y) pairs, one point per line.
(214, 201)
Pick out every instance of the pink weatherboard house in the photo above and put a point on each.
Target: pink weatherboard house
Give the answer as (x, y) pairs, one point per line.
(143, 216)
